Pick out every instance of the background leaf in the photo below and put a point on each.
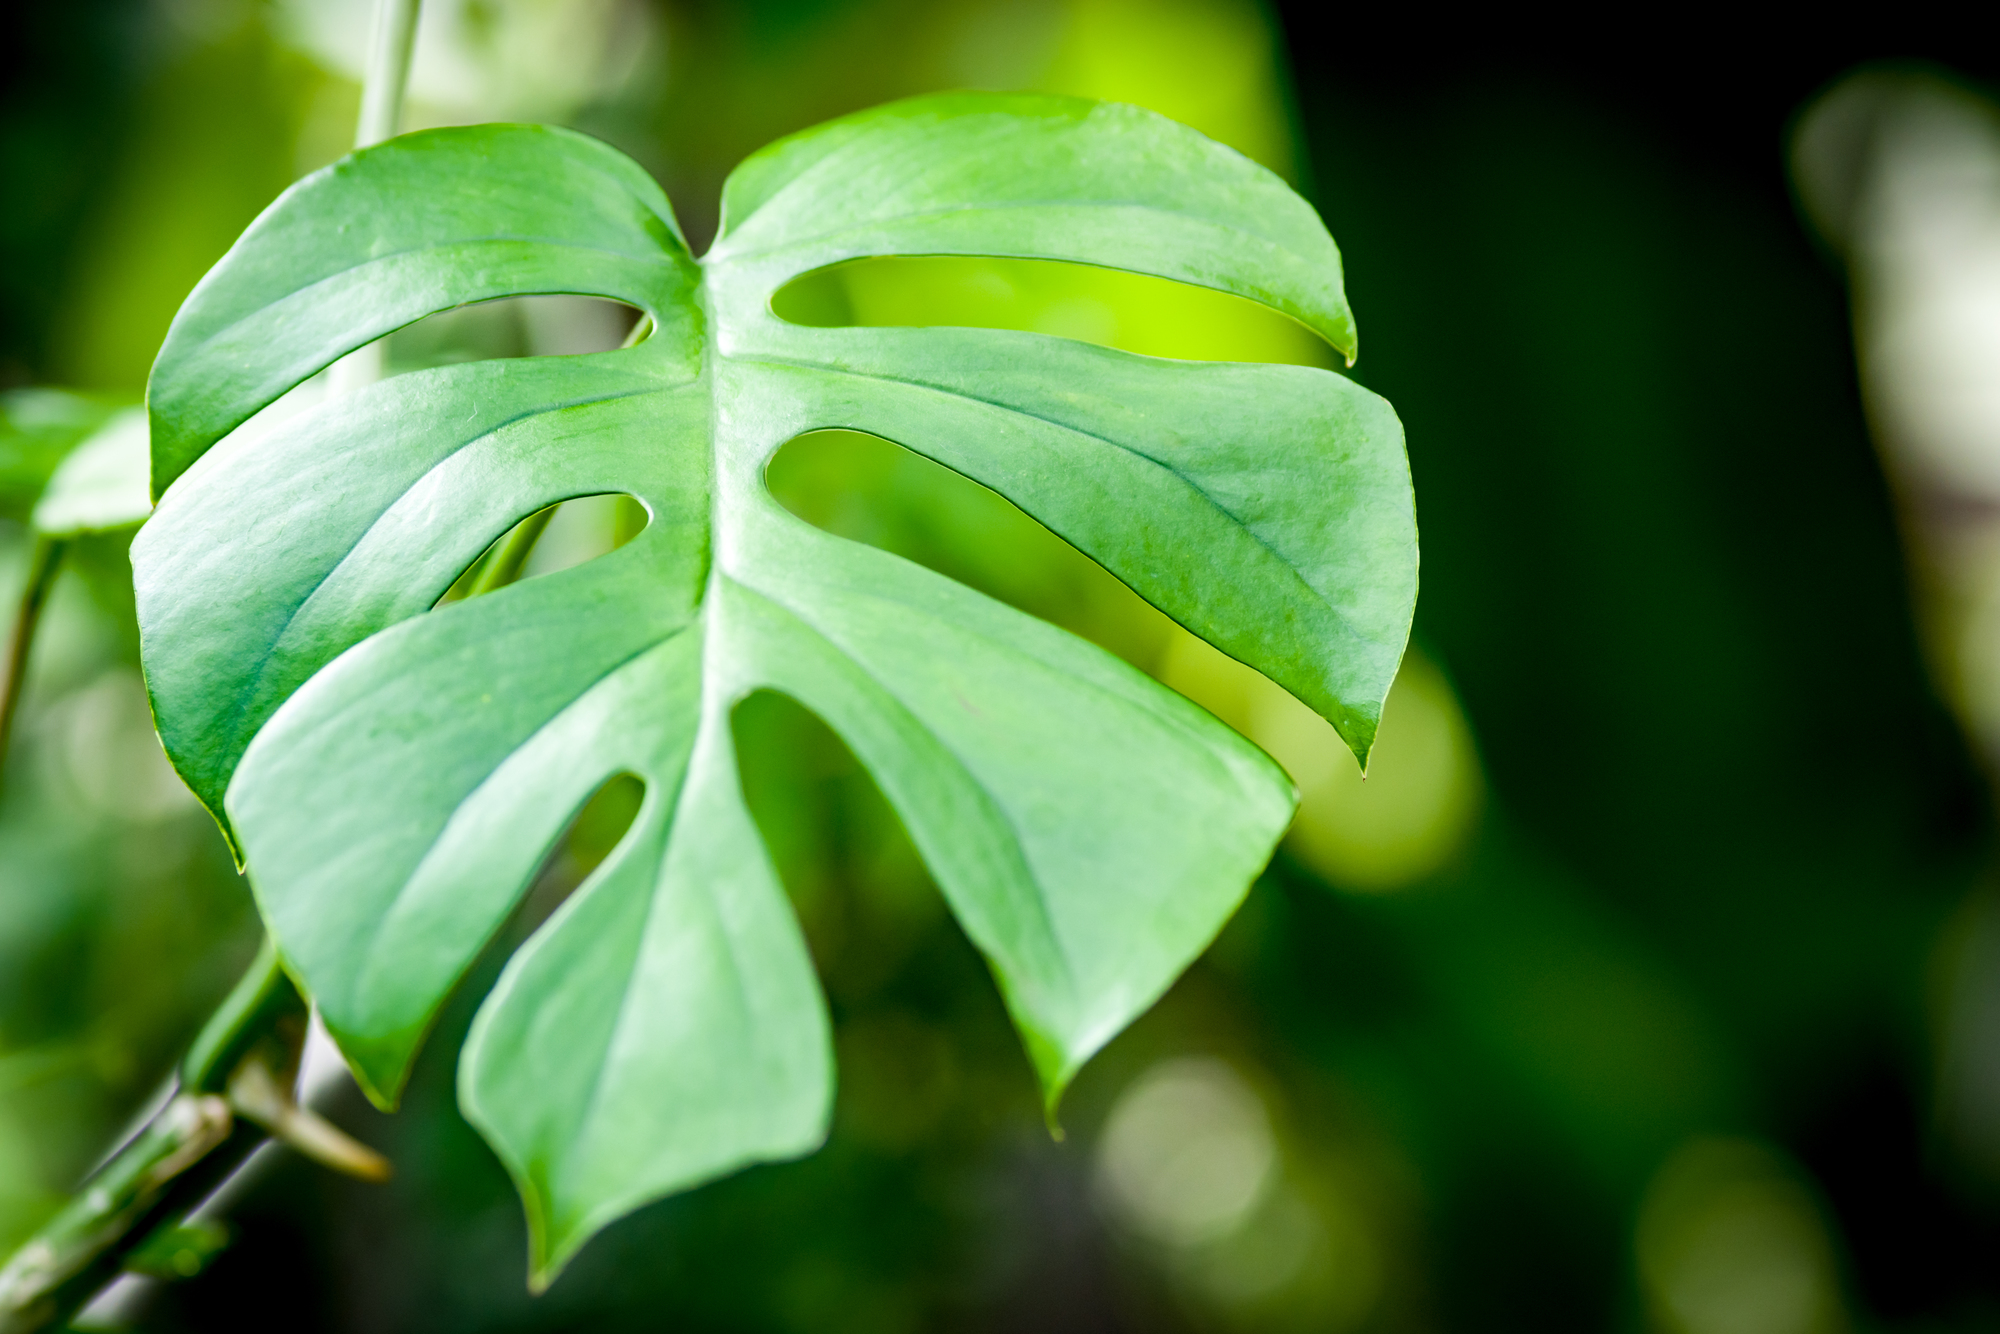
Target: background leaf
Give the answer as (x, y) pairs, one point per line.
(101, 484)
(38, 428)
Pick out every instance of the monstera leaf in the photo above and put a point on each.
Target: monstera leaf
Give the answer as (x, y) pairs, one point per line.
(394, 770)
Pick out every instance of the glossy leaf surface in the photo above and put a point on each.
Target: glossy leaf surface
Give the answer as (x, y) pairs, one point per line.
(394, 775)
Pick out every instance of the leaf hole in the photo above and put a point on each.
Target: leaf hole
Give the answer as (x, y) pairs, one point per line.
(870, 490)
(1134, 312)
(591, 835)
(600, 825)
(517, 326)
(911, 997)
(552, 539)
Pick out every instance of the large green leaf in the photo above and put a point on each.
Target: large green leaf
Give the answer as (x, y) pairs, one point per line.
(395, 774)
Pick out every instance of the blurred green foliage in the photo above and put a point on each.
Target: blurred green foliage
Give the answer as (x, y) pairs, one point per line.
(1634, 1030)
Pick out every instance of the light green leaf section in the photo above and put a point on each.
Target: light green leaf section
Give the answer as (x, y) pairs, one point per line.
(395, 775)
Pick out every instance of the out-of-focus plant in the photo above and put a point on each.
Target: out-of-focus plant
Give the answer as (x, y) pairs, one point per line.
(98, 487)
(1730, 1239)
(1899, 171)
(394, 779)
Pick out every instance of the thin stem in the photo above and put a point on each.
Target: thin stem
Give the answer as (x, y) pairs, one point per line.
(181, 1156)
(234, 1093)
(393, 42)
(42, 567)
(189, 1147)
(504, 566)
(263, 998)
(395, 38)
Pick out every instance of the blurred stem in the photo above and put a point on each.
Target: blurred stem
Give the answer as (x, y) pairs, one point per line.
(234, 1093)
(182, 1155)
(42, 566)
(388, 75)
(505, 565)
(393, 42)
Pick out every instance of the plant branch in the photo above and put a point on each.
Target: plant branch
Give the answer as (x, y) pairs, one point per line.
(42, 567)
(234, 1093)
(167, 1169)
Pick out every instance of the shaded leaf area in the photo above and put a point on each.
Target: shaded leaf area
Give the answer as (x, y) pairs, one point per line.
(393, 778)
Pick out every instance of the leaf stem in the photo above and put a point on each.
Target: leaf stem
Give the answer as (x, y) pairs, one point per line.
(393, 42)
(177, 1160)
(253, 1009)
(42, 567)
(395, 39)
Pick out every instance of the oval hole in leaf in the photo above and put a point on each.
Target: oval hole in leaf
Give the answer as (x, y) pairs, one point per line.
(871, 490)
(1135, 312)
(550, 540)
(517, 326)
(556, 325)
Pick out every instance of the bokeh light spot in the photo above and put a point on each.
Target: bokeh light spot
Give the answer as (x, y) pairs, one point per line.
(1187, 1154)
